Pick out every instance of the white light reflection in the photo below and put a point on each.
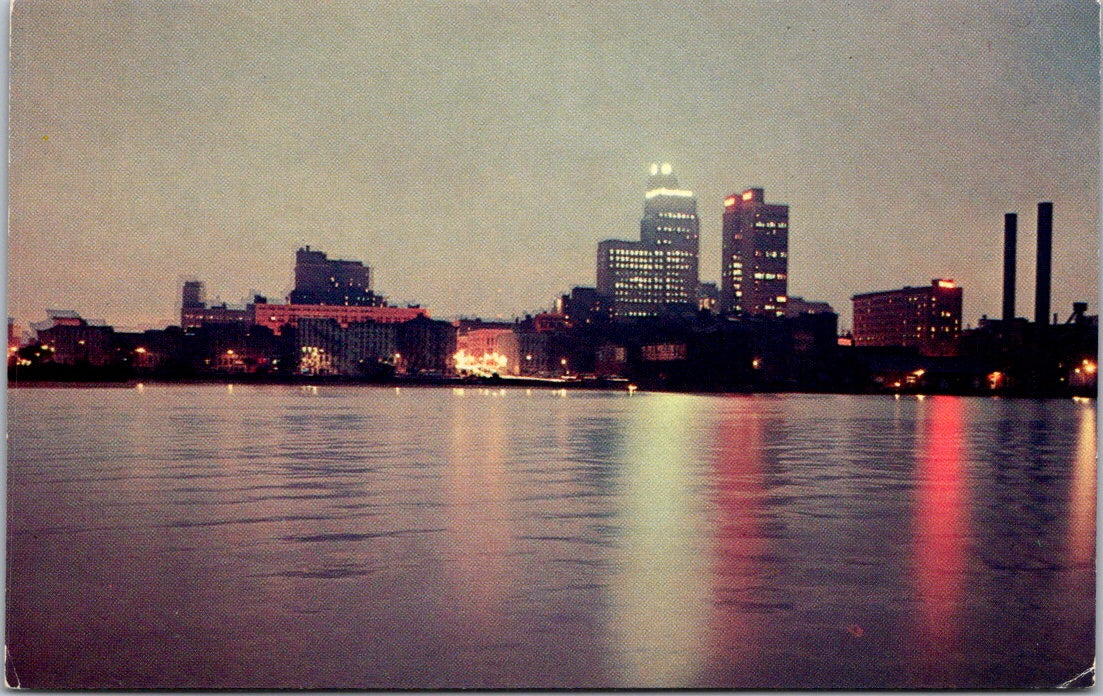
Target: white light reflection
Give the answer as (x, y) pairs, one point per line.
(660, 591)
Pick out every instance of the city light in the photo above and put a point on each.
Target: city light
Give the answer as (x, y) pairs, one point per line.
(485, 365)
(729, 201)
(680, 193)
(945, 283)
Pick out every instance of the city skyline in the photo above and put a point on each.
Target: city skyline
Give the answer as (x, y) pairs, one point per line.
(475, 171)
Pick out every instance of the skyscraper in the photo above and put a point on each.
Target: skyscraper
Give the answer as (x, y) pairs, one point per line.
(754, 274)
(659, 273)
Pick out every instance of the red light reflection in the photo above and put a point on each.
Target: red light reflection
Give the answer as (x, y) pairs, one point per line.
(738, 536)
(942, 524)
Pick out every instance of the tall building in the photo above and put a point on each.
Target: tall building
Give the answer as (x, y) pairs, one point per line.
(926, 318)
(754, 275)
(324, 281)
(193, 295)
(659, 273)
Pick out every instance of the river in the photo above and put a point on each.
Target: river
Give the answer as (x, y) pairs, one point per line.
(350, 536)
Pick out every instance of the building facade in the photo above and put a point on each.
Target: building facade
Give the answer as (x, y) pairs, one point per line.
(659, 273)
(326, 347)
(70, 339)
(275, 316)
(324, 281)
(925, 318)
(754, 275)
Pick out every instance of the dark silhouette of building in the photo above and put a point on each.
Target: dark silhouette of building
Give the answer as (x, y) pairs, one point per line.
(659, 273)
(928, 319)
(68, 339)
(584, 306)
(1045, 257)
(708, 297)
(193, 296)
(194, 311)
(426, 346)
(1010, 231)
(323, 281)
(797, 306)
(754, 274)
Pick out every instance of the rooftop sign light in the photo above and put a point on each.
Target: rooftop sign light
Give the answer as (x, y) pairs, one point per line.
(681, 193)
(729, 201)
(945, 283)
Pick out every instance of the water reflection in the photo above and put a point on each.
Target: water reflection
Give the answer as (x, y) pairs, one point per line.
(738, 539)
(660, 592)
(362, 538)
(941, 523)
(1081, 535)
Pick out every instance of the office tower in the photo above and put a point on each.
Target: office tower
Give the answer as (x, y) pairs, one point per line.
(755, 265)
(659, 273)
(926, 318)
(1010, 229)
(1045, 258)
(323, 281)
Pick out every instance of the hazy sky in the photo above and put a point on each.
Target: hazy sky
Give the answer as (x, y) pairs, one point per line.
(474, 153)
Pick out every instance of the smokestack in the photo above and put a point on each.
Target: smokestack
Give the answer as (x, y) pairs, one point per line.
(1045, 258)
(1010, 228)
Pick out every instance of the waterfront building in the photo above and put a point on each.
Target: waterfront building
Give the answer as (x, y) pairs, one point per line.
(659, 273)
(925, 318)
(425, 346)
(69, 339)
(755, 266)
(323, 281)
(327, 347)
(488, 351)
(275, 316)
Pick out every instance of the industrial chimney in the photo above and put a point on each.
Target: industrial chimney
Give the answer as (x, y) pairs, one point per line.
(1045, 258)
(1010, 225)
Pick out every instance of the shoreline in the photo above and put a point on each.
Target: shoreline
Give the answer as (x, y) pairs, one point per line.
(502, 383)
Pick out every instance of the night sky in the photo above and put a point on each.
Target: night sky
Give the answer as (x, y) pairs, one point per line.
(474, 153)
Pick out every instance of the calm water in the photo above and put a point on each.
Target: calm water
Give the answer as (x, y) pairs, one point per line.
(358, 537)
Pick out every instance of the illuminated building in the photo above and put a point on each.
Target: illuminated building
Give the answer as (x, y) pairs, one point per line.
(488, 351)
(658, 273)
(925, 318)
(754, 274)
(326, 347)
(323, 281)
(275, 316)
